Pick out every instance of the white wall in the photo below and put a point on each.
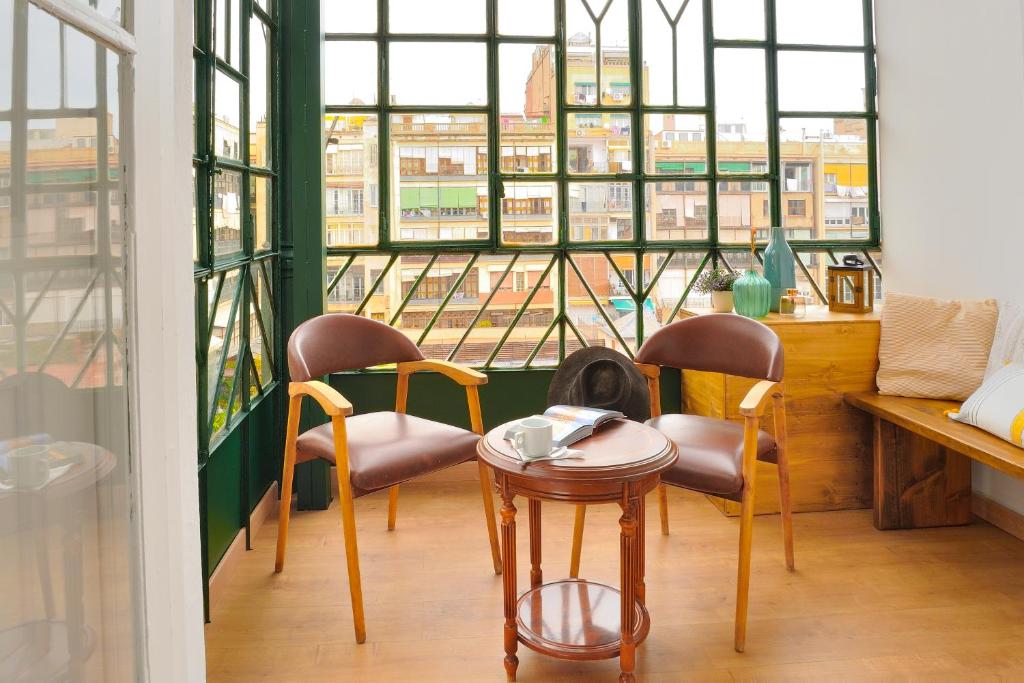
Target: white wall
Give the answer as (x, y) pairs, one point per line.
(951, 110)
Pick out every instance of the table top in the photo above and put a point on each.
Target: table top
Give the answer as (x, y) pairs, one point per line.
(815, 315)
(620, 450)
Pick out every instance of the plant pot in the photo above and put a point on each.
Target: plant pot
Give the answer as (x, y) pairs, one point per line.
(721, 302)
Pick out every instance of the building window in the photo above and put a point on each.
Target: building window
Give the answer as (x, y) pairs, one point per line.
(796, 207)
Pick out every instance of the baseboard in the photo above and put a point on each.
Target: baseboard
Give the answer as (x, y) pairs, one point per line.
(998, 515)
(221, 576)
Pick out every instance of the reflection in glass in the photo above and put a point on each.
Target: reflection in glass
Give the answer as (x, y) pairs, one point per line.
(439, 177)
(67, 565)
(227, 212)
(352, 181)
(260, 142)
(262, 212)
(227, 117)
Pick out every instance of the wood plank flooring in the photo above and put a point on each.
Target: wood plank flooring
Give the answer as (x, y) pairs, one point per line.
(933, 604)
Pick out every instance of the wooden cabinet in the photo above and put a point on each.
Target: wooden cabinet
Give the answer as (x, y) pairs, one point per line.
(830, 443)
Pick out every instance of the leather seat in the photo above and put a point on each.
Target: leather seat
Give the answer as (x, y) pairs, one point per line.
(710, 453)
(388, 448)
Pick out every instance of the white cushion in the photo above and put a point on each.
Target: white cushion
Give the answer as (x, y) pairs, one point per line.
(998, 405)
(1008, 344)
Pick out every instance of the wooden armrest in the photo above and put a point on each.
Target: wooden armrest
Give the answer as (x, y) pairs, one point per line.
(648, 371)
(328, 397)
(461, 374)
(754, 402)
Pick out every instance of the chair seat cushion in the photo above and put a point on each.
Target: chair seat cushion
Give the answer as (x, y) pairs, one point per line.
(385, 449)
(710, 453)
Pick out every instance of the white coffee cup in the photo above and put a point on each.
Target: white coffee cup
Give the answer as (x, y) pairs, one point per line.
(533, 437)
(28, 467)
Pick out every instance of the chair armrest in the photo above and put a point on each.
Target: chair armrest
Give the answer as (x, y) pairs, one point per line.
(458, 373)
(754, 402)
(649, 371)
(330, 400)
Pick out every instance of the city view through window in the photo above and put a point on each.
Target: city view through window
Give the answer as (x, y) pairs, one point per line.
(507, 193)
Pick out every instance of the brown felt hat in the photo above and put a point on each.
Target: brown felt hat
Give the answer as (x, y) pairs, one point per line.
(599, 377)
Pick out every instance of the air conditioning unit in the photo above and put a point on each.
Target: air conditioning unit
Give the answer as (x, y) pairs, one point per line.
(579, 133)
(666, 144)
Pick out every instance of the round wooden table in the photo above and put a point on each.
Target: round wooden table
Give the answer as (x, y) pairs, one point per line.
(577, 619)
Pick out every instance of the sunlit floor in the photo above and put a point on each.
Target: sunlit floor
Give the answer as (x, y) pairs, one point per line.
(863, 604)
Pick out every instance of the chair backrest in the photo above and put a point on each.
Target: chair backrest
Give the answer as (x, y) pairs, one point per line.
(340, 341)
(720, 342)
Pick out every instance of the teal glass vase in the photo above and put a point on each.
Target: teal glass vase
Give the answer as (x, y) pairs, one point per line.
(752, 295)
(779, 266)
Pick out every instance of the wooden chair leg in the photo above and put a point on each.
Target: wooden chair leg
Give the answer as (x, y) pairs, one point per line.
(492, 526)
(781, 440)
(392, 507)
(663, 507)
(287, 476)
(577, 541)
(743, 575)
(348, 522)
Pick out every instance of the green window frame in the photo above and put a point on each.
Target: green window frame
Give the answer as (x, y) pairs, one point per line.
(629, 246)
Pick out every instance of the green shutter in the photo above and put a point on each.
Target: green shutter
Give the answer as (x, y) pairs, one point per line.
(428, 197)
(467, 197)
(734, 166)
(670, 166)
(410, 198)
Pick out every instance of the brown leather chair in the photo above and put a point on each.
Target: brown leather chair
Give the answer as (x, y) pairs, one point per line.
(718, 457)
(375, 451)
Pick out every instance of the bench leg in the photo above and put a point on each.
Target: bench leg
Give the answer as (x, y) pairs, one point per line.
(918, 483)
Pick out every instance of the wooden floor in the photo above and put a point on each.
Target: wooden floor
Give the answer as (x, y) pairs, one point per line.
(935, 604)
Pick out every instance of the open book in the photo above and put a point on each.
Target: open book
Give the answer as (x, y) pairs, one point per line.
(573, 423)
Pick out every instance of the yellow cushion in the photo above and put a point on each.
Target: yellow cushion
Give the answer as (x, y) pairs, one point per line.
(998, 405)
(934, 349)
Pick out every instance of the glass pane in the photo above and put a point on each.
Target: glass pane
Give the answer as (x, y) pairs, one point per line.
(526, 17)
(438, 16)
(527, 103)
(742, 207)
(669, 288)
(739, 19)
(676, 144)
(837, 22)
(195, 217)
(262, 212)
(529, 213)
(600, 143)
(69, 553)
(260, 141)
(352, 182)
(438, 73)
(261, 326)
(582, 19)
(225, 348)
(439, 177)
(829, 158)
(44, 77)
(79, 69)
(613, 299)
(227, 212)
(742, 111)
(676, 210)
(821, 81)
(350, 73)
(350, 16)
(228, 34)
(600, 212)
(679, 82)
(227, 117)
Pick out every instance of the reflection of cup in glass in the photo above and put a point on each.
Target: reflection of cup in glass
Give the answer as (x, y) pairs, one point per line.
(28, 467)
(534, 436)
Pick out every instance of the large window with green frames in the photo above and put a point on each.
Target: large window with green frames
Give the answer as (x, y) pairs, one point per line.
(507, 180)
(236, 258)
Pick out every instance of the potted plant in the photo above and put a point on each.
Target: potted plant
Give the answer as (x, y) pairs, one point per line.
(718, 283)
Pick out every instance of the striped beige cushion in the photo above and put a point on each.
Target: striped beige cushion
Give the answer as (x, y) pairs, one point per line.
(934, 349)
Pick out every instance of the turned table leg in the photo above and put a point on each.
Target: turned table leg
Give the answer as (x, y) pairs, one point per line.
(508, 578)
(629, 567)
(536, 574)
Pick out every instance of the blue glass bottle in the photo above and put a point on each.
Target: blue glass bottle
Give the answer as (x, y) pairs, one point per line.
(779, 266)
(752, 295)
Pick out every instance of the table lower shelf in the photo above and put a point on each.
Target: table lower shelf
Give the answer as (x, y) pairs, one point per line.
(576, 619)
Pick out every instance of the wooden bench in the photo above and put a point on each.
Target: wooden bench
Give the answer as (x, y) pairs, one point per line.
(922, 468)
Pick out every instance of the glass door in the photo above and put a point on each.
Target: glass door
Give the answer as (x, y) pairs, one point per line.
(67, 550)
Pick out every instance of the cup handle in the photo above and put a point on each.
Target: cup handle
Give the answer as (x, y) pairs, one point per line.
(519, 440)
